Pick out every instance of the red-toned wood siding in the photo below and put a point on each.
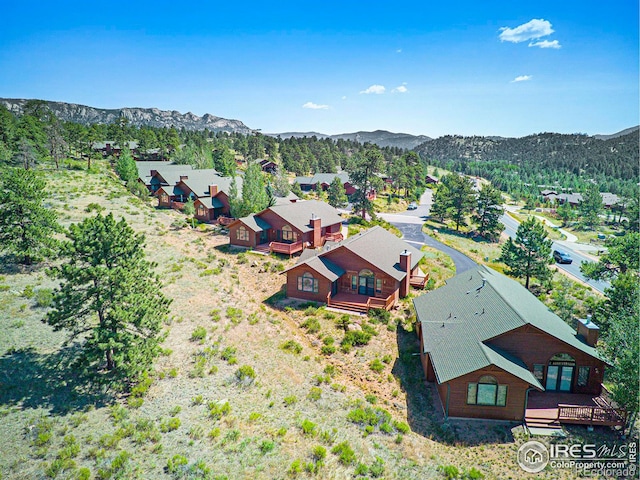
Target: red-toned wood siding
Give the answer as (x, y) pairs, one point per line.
(533, 346)
(224, 198)
(324, 285)
(353, 264)
(277, 222)
(160, 193)
(516, 393)
(233, 240)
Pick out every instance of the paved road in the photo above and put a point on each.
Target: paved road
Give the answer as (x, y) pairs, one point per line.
(511, 226)
(410, 224)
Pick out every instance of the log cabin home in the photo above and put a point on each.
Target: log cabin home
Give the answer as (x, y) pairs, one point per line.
(288, 228)
(372, 269)
(494, 351)
(150, 173)
(324, 179)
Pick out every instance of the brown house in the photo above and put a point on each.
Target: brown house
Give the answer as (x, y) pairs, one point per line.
(493, 351)
(325, 180)
(372, 269)
(288, 228)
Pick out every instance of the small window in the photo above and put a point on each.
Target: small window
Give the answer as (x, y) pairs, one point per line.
(306, 283)
(472, 393)
(583, 376)
(200, 210)
(288, 235)
(354, 282)
(164, 197)
(378, 285)
(242, 234)
(538, 372)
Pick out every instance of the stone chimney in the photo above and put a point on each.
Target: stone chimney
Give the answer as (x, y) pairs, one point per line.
(405, 266)
(316, 239)
(588, 330)
(213, 190)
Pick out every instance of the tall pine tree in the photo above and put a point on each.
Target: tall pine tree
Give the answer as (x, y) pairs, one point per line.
(488, 212)
(109, 297)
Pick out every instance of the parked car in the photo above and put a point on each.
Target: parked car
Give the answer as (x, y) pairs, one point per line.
(412, 206)
(562, 257)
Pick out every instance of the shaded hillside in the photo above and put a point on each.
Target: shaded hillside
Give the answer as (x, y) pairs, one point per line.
(150, 117)
(382, 138)
(549, 158)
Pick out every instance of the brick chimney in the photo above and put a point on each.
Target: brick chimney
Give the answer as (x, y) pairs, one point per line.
(405, 266)
(316, 239)
(588, 330)
(184, 177)
(213, 190)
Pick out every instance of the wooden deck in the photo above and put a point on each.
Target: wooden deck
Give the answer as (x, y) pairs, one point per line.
(419, 281)
(358, 303)
(553, 409)
(286, 248)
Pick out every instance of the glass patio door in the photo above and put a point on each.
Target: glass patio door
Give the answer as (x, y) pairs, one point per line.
(559, 378)
(366, 286)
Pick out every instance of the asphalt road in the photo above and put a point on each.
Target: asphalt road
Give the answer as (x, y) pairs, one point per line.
(511, 226)
(410, 224)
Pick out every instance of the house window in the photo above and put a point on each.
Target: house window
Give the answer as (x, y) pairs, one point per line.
(583, 376)
(538, 372)
(242, 234)
(378, 285)
(164, 198)
(288, 235)
(487, 392)
(354, 282)
(306, 283)
(201, 210)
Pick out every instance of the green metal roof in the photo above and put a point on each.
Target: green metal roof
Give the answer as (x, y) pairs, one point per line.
(459, 320)
(254, 223)
(299, 214)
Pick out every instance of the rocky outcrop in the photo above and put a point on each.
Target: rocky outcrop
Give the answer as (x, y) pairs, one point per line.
(382, 138)
(154, 117)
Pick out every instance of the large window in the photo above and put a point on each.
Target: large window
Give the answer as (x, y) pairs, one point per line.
(306, 283)
(487, 392)
(538, 372)
(242, 234)
(164, 198)
(288, 235)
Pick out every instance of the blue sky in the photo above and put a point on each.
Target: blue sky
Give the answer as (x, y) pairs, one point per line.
(507, 68)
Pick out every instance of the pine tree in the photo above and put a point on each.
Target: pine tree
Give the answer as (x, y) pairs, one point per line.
(455, 199)
(441, 205)
(224, 161)
(590, 206)
(488, 212)
(364, 177)
(337, 196)
(26, 225)
(189, 210)
(529, 255)
(126, 166)
(254, 192)
(109, 297)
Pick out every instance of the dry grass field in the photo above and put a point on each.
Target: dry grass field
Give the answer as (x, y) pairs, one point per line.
(200, 417)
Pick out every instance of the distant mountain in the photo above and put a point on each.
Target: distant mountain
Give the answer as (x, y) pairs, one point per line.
(621, 133)
(382, 138)
(154, 117)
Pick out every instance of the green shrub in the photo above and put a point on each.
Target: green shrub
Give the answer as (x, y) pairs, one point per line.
(43, 297)
(217, 410)
(376, 469)
(292, 347)
(312, 325)
(328, 350)
(295, 468)
(290, 400)
(315, 393)
(474, 474)
(169, 425)
(401, 427)
(308, 427)
(246, 374)
(387, 359)
(267, 446)
(254, 416)
(355, 338)
(345, 453)
(449, 471)
(234, 314)
(372, 399)
(318, 453)
(214, 433)
(376, 365)
(175, 462)
(378, 315)
(199, 334)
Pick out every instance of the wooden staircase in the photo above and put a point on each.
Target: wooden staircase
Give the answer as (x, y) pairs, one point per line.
(349, 306)
(542, 422)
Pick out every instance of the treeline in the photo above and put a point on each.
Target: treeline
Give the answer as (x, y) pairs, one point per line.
(519, 165)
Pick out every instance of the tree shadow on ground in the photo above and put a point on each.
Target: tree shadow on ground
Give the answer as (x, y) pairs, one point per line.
(424, 410)
(32, 380)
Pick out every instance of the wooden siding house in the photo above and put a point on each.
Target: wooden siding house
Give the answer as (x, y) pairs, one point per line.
(491, 347)
(325, 179)
(372, 269)
(288, 228)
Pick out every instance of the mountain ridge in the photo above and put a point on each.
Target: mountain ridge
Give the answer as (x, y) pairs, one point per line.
(138, 116)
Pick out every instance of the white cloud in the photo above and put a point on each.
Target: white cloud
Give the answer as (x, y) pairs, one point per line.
(531, 30)
(315, 106)
(521, 78)
(377, 89)
(399, 50)
(546, 44)
(400, 89)
(344, 97)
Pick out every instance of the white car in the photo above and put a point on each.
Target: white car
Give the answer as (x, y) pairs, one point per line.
(412, 206)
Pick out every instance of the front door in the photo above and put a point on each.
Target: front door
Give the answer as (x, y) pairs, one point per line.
(263, 237)
(559, 378)
(366, 286)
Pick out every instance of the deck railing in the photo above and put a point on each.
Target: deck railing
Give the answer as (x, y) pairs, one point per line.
(591, 415)
(286, 248)
(383, 303)
(419, 281)
(334, 237)
(225, 221)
